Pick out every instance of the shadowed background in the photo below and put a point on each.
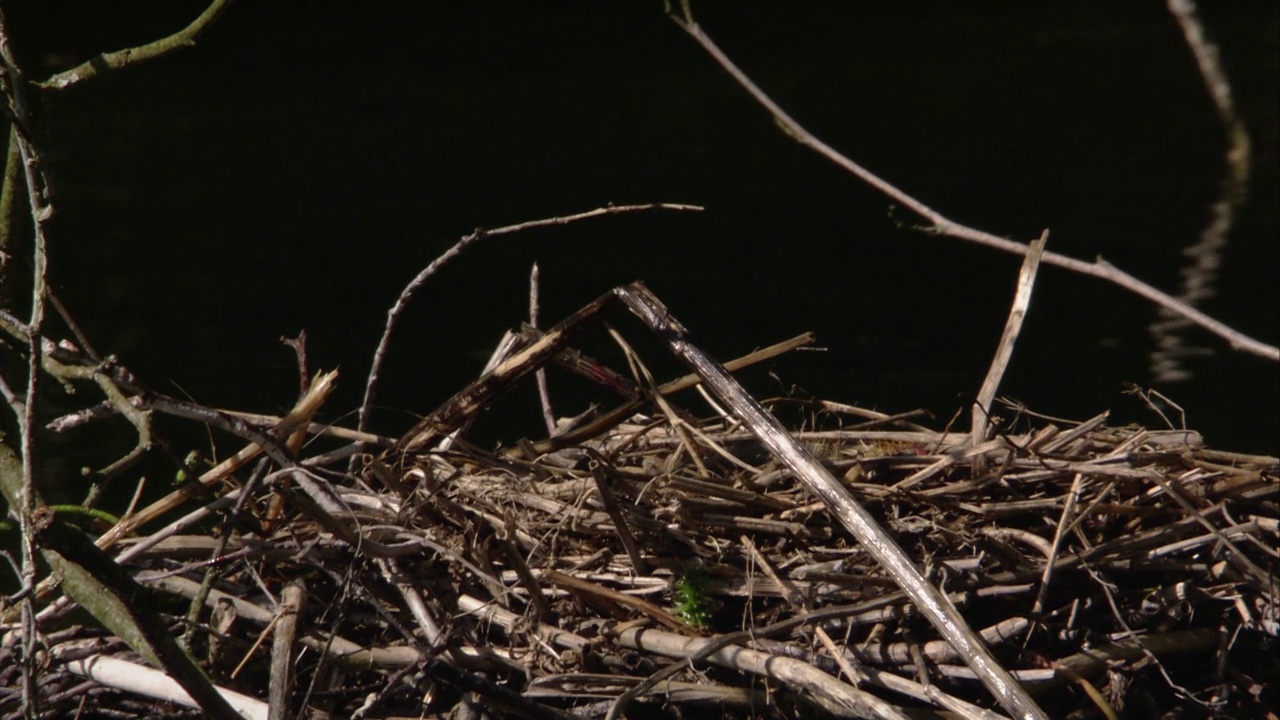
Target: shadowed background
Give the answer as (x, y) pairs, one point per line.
(300, 164)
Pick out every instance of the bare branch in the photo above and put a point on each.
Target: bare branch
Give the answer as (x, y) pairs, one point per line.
(402, 302)
(942, 225)
(139, 418)
(41, 211)
(121, 59)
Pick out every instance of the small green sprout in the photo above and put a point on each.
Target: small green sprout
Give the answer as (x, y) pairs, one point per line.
(690, 594)
(190, 467)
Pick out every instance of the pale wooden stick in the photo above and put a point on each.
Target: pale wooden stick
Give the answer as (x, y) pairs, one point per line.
(805, 678)
(1012, 327)
(292, 601)
(878, 543)
(1068, 514)
(540, 377)
(142, 680)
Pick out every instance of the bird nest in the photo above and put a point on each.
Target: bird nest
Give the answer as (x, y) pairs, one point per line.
(661, 561)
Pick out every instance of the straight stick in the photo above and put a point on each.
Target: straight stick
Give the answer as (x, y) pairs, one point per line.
(878, 543)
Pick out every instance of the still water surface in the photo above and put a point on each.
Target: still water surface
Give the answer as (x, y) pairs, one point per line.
(301, 164)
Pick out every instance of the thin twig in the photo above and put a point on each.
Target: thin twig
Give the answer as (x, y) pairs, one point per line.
(261, 442)
(139, 418)
(41, 211)
(1068, 514)
(599, 465)
(540, 377)
(941, 225)
(402, 302)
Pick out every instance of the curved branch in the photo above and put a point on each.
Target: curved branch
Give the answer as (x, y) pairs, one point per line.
(121, 59)
(393, 315)
(942, 225)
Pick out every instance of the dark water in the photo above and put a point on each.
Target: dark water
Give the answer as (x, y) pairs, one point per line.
(300, 165)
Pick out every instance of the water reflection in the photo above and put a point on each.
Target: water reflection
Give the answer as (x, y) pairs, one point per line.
(1200, 275)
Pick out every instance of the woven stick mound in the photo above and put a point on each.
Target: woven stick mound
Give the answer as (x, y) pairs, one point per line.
(654, 561)
(1112, 570)
(1108, 567)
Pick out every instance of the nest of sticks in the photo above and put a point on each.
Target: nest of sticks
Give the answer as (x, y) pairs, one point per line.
(669, 558)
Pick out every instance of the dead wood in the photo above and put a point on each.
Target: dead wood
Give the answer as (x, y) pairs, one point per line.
(667, 561)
